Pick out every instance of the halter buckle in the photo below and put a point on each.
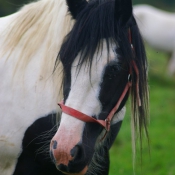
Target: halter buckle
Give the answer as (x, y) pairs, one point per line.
(129, 78)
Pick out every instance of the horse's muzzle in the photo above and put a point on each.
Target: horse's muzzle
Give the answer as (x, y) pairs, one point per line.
(68, 154)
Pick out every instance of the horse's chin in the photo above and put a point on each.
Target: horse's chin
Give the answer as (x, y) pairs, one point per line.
(83, 172)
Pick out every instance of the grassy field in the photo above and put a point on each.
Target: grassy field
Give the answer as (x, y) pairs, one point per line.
(161, 160)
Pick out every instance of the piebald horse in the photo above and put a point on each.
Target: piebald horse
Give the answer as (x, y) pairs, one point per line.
(158, 29)
(86, 56)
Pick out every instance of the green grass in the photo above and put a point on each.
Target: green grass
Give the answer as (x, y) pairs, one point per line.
(161, 160)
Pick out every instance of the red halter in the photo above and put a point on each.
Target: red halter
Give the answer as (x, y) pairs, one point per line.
(106, 123)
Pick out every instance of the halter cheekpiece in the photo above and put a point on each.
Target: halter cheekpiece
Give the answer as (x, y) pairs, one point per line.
(106, 123)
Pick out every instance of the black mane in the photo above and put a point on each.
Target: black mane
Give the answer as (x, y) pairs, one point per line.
(95, 22)
(98, 21)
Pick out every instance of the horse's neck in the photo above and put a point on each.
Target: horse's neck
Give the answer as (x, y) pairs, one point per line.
(34, 36)
(29, 43)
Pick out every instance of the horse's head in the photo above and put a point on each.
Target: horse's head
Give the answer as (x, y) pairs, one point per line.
(98, 63)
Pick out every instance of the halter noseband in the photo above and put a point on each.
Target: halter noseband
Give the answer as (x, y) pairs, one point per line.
(106, 123)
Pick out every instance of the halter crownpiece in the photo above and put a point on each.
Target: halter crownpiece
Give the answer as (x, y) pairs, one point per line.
(106, 123)
(135, 68)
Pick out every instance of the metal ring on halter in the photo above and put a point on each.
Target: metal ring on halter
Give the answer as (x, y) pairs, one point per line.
(129, 78)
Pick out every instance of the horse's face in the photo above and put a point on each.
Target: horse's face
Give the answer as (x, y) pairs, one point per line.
(93, 92)
(93, 84)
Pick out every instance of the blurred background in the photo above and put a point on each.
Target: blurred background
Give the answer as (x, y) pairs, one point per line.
(160, 158)
(10, 6)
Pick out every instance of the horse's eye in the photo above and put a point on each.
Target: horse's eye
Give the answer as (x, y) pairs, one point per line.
(113, 71)
(115, 68)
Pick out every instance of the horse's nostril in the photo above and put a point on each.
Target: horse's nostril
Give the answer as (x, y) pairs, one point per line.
(54, 144)
(76, 152)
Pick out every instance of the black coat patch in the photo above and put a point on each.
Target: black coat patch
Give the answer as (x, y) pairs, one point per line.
(34, 158)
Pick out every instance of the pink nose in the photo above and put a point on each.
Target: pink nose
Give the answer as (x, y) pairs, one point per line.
(62, 155)
(67, 153)
(68, 162)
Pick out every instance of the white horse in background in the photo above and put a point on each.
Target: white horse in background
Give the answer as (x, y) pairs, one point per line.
(158, 30)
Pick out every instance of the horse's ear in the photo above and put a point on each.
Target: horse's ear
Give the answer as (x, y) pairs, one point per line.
(76, 6)
(123, 11)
